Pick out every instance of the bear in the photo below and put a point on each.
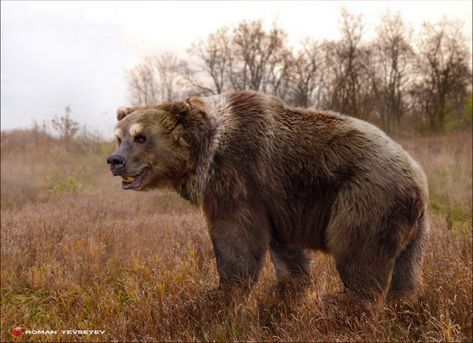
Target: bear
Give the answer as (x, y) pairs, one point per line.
(269, 176)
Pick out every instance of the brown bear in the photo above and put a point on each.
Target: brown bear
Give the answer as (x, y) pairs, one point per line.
(268, 175)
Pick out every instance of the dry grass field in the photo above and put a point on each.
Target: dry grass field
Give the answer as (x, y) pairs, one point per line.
(77, 252)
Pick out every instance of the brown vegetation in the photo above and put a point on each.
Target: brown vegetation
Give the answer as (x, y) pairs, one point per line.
(79, 253)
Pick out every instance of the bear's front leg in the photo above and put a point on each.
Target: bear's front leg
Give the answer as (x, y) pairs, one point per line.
(239, 248)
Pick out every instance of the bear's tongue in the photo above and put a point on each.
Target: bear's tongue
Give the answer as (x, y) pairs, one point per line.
(133, 182)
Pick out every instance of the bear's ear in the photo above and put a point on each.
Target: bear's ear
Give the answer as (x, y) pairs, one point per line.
(122, 112)
(180, 109)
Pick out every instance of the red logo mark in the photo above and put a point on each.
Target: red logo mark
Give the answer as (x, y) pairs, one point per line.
(17, 331)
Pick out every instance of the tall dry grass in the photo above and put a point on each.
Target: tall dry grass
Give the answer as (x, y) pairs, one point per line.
(80, 253)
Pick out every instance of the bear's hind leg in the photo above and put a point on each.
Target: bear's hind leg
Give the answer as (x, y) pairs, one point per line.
(407, 269)
(289, 261)
(364, 278)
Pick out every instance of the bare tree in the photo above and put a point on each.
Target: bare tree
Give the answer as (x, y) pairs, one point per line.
(247, 58)
(389, 69)
(169, 69)
(255, 55)
(214, 59)
(155, 79)
(345, 60)
(65, 126)
(307, 75)
(443, 72)
(277, 79)
(143, 83)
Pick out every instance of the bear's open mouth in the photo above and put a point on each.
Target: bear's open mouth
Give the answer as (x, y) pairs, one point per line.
(133, 182)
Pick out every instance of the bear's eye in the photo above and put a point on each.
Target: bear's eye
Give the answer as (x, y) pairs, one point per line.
(139, 139)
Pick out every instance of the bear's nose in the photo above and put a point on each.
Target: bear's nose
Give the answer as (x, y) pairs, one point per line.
(116, 162)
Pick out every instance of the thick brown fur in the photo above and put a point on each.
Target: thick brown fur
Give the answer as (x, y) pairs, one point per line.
(291, 180)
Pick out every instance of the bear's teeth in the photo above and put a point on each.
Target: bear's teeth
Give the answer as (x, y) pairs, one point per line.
(129, 179)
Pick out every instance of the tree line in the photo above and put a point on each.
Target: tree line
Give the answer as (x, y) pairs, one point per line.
(396, 75)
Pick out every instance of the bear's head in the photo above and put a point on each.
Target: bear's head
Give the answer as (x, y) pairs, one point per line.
(156, 145)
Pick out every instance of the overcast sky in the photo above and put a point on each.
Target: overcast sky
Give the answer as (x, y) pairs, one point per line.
(55, 54)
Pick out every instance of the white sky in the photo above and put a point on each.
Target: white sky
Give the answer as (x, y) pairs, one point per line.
(55, 54)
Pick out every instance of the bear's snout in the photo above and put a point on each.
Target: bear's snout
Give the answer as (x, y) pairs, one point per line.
(116, 162)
